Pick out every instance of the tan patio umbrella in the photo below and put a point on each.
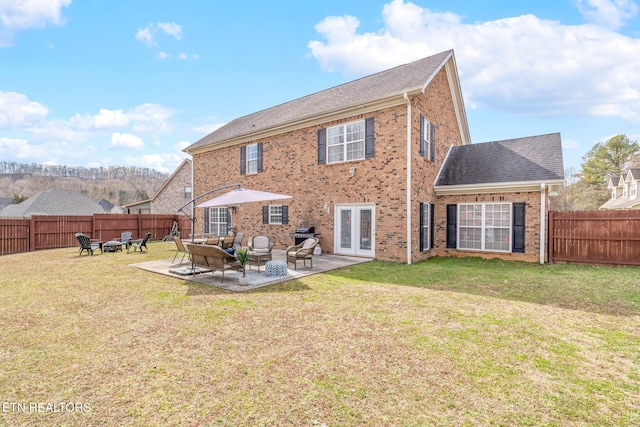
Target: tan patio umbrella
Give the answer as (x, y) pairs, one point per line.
(242, 195)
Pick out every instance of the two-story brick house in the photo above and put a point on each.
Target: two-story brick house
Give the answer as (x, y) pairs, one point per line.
(361, 160)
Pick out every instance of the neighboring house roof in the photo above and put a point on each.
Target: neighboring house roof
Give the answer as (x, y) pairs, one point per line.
(106, 205)
(53, 202)
(146, 204)
(512, 163)
(622, 202)
(371, 92)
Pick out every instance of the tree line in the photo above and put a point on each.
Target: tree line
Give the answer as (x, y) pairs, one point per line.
(63, 171)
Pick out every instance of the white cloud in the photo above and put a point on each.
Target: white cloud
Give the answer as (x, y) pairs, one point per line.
(126, 140)
(570, 144)
(523, 64)
(26, 14)
(609, 13)
(171, 28)
(145, 118)
(166, 162)
(144, 36)
(17, 111)
(163, 55)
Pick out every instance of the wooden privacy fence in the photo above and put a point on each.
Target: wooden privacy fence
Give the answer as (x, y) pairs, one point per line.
(58, 231)
(595, 237)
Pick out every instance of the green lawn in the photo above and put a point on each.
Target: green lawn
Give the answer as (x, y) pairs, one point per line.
(447, 342)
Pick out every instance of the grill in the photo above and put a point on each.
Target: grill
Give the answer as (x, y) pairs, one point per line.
(302, 233)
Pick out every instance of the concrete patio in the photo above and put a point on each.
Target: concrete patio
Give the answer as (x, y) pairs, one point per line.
(321, 263)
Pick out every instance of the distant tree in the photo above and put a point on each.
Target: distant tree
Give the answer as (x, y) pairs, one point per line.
(18, 199)
(609, 158)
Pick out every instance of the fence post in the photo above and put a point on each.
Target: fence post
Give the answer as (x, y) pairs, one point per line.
(550, 233)
(32, 234)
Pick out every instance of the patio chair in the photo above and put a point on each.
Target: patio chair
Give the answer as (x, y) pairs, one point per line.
(139, 244)
(227, 243)
(237, 241)
(180, 248)
(213, 240)
(213, 258)
(303, 251)
(125, 238)
(88, 244)
(260, 250)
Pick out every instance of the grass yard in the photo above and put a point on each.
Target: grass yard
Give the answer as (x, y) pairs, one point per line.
(447, 342)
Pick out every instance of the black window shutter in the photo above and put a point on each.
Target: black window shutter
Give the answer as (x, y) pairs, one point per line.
(260, 157)
(431, 219)
(243, 160)
(206, 221)
(285, 214)
(265, 214)
(422, 219)
(227, 214)
(369, 138)
(518, 227)
(433, 142)
(422, 148)
(322, 146)
(452, 216)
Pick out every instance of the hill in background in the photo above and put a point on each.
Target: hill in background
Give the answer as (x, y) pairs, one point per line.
(118, 184)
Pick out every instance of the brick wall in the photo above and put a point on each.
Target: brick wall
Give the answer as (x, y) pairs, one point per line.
(532, 225)
(171, 197)
(290, 167)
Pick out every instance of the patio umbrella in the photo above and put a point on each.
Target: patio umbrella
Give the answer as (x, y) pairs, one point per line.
(242, 195)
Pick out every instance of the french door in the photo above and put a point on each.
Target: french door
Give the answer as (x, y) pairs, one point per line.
(354, 227)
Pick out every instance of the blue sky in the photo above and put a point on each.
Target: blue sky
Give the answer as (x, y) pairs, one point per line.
(99, 83)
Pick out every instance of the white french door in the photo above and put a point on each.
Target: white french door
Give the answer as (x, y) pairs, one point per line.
(355, 230)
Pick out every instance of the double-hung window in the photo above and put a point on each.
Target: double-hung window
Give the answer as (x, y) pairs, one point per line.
(345, 142)
(634, 189)
(187, 192)
(252, 158)
(275, 214)
(485, 226)
(218, 221)
(425, 137)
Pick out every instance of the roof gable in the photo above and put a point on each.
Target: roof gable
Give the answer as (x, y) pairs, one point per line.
(411, 77)
(520, 160)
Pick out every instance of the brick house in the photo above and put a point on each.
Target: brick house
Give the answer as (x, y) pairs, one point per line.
(362, 159)
(175, 192)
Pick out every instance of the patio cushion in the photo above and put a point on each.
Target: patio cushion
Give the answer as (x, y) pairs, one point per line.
(261, 244)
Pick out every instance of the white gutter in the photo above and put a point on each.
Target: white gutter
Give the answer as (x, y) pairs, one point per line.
(543, 199)
(406, 98)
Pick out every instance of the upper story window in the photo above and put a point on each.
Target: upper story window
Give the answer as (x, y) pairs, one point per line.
(345, 142)
(613, 193)
(625, 191)
(251, 159)
(634, 189)
(427, 139)
(187, 192)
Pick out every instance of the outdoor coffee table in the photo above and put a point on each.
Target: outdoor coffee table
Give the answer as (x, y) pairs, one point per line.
(112, 246)
(257, 258)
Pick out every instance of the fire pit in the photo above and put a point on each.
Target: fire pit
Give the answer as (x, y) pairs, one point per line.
(112, 246)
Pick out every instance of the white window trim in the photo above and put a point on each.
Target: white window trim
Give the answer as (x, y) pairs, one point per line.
(275, 214)
(345, 144)
(188, 194)
(252, 162)
(483, 227)
(625, 190)
(634, 189)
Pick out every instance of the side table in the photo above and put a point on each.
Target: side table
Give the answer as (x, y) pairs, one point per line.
(276, 269)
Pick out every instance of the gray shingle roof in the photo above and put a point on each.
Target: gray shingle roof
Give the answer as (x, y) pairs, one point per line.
(534, 158)
(53, 202)
(396, 81)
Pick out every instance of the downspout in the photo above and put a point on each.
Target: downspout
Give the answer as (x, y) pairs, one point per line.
(406, 98)
(543, 209)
